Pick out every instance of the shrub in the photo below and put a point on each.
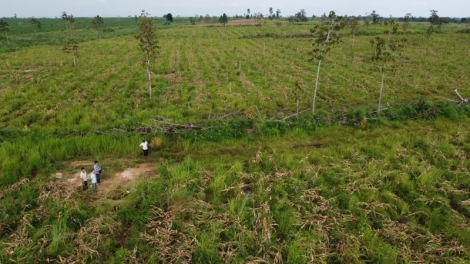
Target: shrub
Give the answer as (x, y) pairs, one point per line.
(156, 143)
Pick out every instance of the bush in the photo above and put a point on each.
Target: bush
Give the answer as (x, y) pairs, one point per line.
(155, 143)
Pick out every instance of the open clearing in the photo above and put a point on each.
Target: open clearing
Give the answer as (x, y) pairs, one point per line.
(73, 183)
(236, 178)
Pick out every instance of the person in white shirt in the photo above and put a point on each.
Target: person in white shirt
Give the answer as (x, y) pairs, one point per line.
(93, 181)
(145, 147)
(84, 178)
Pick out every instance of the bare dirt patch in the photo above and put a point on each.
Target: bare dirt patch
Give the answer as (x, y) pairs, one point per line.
(124, 178)
(243, 22)
(73, 182)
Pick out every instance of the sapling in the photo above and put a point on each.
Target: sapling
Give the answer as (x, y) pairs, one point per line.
(434, 20)
(406, 22)
(262, 22)
(148, 43)
(328, 34)
(36, 23)
(367, 20)
(383, 48)
(98, 24)
(298, 93)
(68, 19)
(354, 25)
(71, 42)
(4, 27)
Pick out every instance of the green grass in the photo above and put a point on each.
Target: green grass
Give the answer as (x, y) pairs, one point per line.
(362, 195)
(239, 185)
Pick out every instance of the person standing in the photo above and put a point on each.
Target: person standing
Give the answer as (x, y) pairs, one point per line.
(93, 181)
(145, 147)
(97, 169)
(84, 178)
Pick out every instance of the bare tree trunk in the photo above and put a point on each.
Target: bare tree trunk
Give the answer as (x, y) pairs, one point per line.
(316, 86)
(74, 63)
(297, 107)
(148, 77)
(318, 70)
(264, 49)
(381, 89)
(354, 35)
(99, 34)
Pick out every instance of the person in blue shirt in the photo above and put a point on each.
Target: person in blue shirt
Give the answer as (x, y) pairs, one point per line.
(97, 169)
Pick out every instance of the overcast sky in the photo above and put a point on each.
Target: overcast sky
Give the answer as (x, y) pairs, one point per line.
(124, 8)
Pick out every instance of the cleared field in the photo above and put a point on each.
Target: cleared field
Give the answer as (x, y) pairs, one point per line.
(220, 70)
(232, 182)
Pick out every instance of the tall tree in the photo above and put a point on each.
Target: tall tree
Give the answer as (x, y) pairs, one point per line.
(68, 19)
(271, 16)
(71, 42)
(169, 17)
(303, 15)
(375, 17)
(36, 23)
(435, 20)
(278, 13)
(4, 27)
(354, 25)
(328, 34)
(223, 19)
(98, 24)
(384, 47)
(148, 43)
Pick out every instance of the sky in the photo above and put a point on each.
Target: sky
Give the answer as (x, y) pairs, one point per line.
(124, 8)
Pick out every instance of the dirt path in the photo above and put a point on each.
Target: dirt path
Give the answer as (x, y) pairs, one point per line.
(73, 182)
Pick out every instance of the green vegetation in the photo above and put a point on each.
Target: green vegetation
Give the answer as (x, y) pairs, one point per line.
(238, 179)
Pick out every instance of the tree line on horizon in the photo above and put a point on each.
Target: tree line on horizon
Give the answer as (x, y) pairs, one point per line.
(302, 14)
